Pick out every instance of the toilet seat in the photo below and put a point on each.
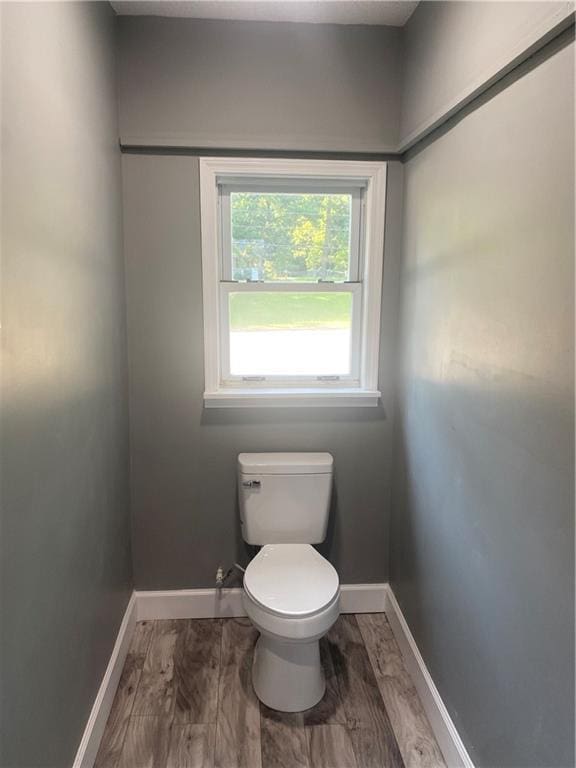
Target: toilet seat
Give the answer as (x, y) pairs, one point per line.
(291, 581)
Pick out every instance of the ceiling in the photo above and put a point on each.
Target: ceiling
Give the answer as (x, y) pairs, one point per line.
(394, 13)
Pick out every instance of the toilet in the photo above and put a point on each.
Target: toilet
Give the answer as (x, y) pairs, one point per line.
(291, 593)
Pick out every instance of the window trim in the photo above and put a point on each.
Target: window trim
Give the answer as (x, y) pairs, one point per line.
(370, 174)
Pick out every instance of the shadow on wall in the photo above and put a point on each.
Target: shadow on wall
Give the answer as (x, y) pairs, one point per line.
(278, 416)
(483, 559)
(66, 557)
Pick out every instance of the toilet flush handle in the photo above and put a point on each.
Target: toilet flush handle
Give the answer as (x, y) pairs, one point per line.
(251, 483)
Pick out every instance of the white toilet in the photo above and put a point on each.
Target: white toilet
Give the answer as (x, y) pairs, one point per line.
(291, 593)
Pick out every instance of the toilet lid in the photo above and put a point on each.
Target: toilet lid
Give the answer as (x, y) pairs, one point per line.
(291, 579)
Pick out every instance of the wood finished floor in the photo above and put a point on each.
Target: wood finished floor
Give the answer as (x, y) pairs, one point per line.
(185, 700)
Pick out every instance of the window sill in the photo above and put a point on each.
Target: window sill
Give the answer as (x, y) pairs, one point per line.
(292, 398)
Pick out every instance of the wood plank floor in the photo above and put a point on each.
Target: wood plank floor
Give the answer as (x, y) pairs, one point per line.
(185, 700)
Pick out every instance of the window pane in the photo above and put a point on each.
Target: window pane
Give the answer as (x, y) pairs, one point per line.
(288, 236)
(290, 334)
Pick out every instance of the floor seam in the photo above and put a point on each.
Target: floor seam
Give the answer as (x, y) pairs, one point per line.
(372, 667)
(218, 692)
(130, 715)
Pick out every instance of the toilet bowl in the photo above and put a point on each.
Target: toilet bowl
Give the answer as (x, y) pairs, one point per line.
(291, 592)
(291, 595)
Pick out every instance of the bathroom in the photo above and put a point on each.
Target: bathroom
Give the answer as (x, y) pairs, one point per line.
(141, 388)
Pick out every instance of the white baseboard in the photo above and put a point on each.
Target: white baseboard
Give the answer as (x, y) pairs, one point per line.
(363, 598)
(88, 749)
(444, 729)
(189, 604)
(224, 603)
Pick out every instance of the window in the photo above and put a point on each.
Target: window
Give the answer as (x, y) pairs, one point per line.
(292, 267)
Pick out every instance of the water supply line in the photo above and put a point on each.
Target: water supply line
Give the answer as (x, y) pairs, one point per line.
(222, 577)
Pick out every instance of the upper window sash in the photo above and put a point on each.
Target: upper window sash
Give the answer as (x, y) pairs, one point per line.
(354, 187)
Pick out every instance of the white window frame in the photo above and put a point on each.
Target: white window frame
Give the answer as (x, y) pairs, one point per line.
(360, 389)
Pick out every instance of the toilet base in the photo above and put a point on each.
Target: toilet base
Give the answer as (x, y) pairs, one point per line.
(287, 677)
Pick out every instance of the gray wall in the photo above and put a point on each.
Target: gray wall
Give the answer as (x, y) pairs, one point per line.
(483, 519)
(452, 48)
(185, 518)
(65, 558)
(259, 85)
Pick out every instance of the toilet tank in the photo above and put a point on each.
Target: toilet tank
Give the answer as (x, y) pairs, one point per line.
(284, 497)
